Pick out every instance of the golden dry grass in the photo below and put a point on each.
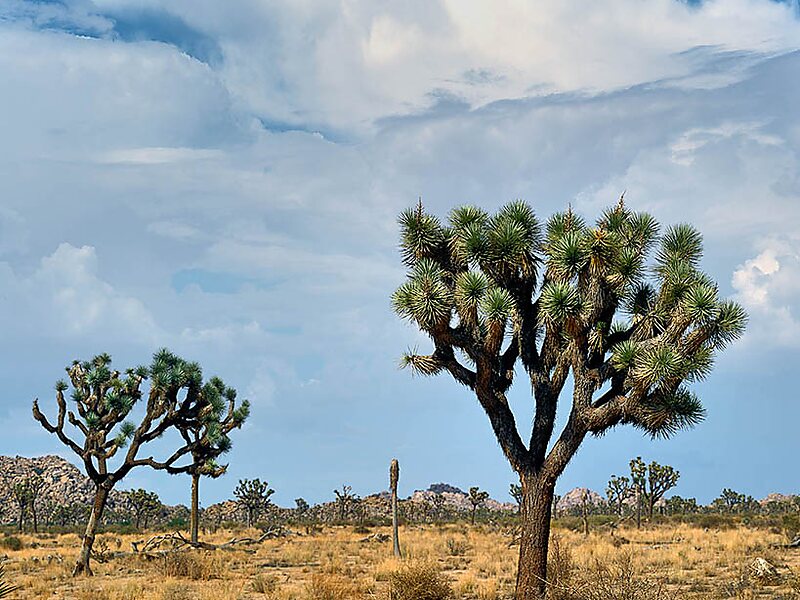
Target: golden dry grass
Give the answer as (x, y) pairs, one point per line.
(477, 562)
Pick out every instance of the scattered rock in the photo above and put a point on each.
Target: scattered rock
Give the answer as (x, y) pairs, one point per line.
(764, 572)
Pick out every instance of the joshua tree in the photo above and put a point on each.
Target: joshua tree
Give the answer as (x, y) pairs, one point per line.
(208, 437)
(439, 503)
(660, 479)
(618, 490)
(515, 491)
(394, 478)
(254, 496)
(26, 495)
(105, 400)
(731, 501)
(639, 484)
(477, 499)
(576, 300)
(585, 511)
(144, 504)
(344, 500)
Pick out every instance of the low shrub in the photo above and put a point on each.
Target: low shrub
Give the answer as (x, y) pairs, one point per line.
(418, 581)
(192, 565)
(11, 542)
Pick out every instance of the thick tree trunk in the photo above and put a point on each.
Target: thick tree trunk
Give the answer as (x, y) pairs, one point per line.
(82, 566)
(537, 501)
(195, 518)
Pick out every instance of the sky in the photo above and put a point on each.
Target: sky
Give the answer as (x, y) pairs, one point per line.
(224, 178)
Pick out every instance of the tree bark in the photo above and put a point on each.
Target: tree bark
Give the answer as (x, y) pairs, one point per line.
(395, 532)
(195, 517)
(535, 511)
(82, 567)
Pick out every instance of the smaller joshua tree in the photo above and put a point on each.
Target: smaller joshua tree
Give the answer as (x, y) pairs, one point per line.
(515, 491)
(102, 416)
(254, 496)
(660, 479)
(639, 483)
(394, 478)
(345, 498)
(208, 436)
(144, 505)
(477, 499)
(26, 495)
(618, 490)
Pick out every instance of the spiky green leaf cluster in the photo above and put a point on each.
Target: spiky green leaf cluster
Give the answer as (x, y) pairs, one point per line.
(616, 288)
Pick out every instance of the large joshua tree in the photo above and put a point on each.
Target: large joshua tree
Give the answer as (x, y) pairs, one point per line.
(497, 291)
(115, 433)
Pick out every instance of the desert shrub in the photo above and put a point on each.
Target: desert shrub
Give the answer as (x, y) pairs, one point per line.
(11, 542)
(176, 591)
(192, 565)
(327, 586)
(264, 584)
(457, 547)
(361, 530)
(418, 581)
(618, 580)
(615, 579)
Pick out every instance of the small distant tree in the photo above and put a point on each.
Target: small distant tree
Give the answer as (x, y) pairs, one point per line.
(439, 505)
(639, 484)
(576, 303)
(730, 501)
(515, 491)
(301, 506)
(27, 492)
(618, 490)
(477, 498)
(676, 505)
(254, 496)
(344, 501)
(103, 401)
(660, 479)
(144, 504)
(585, 511)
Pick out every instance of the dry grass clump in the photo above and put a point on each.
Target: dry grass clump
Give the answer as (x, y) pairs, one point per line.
(329, 586)
(418, 581)
(615, 578)
(199, 565)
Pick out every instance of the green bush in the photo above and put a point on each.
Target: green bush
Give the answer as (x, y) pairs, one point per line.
(10, 542)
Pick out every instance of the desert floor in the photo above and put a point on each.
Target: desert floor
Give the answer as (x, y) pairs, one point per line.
(687, 562)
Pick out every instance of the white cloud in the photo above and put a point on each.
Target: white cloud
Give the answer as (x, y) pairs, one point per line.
(768, 286)
(65, 297)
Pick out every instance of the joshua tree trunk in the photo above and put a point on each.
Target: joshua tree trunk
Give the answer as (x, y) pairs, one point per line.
(638, 509)
(35, 518)
(394, 477)
(537, 502)
(195, 518)
(82, 566)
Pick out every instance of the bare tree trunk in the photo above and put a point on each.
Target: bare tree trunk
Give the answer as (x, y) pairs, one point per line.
(35, 518)
(195, 517)
(394, 478)
(537, 501)
(473, 515)
(82, 566)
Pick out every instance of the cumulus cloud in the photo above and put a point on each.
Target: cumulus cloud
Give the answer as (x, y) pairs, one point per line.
(65, 297)
(768, 285)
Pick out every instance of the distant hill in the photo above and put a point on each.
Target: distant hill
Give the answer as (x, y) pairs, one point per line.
(64, 485)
